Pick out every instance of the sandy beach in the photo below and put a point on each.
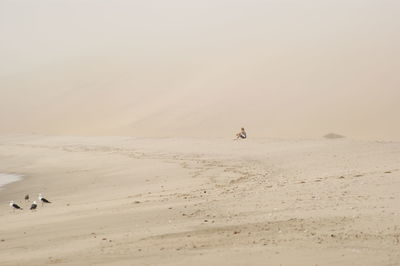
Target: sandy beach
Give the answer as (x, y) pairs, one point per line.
(189, 201)
(122, 114)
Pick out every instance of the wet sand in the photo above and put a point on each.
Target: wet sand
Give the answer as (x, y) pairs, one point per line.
(8, 178)
(128, 201)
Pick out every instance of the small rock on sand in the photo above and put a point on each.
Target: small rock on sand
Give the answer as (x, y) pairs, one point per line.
(333, 136)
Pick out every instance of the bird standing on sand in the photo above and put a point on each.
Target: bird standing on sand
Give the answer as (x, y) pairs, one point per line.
(14, 206)
(43, 200)
(34, 205)
(26, 197)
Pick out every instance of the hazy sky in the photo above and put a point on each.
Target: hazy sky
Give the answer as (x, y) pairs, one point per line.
(298, 68)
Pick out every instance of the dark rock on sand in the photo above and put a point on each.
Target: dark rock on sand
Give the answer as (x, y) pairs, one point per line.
(333, 136)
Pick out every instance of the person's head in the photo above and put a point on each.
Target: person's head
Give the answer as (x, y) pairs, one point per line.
(242, 128)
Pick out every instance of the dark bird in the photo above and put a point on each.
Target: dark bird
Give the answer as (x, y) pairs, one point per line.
(14, 206)
(26, 197)
(43, 200)
(33, 206)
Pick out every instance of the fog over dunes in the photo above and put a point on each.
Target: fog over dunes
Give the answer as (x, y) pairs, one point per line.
(200, 68)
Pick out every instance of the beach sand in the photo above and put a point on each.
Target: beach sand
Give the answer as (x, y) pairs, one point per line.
(188, 201)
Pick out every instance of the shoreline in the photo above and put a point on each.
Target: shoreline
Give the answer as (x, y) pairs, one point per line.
(6, 179)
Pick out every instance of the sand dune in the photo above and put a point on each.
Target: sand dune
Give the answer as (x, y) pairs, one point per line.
(205, 69)
(124, 201)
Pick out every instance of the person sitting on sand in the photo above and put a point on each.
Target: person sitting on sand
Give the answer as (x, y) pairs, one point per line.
(242, 134)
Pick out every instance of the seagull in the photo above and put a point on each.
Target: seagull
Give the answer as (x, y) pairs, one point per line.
(43, 200)
(14, 206)
(26, 197)
(34, 205)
